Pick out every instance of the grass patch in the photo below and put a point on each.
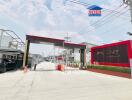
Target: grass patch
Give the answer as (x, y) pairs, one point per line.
(110, 68)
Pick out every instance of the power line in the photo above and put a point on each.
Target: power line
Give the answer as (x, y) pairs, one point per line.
(114, 12)
(111, 20)
(110, 17)
(115, 27)
(95, 23)
(78, 2)
(108, 21)
(100, 20)
(86, 4)
(109, 14)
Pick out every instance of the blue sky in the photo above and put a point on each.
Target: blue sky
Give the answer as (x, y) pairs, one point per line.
(56, 18)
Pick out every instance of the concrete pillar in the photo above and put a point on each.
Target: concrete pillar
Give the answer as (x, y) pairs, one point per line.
(26, 53)
(83, 57)
(1, 36)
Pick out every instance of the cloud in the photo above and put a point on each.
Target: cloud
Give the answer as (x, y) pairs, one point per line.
(44, 15)
(56, 18)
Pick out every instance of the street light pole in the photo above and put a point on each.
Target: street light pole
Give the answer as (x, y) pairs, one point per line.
(129, 33)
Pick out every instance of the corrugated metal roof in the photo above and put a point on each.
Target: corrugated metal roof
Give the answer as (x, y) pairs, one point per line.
(10, 50)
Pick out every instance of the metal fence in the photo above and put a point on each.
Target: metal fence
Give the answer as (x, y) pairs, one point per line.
(9, 39)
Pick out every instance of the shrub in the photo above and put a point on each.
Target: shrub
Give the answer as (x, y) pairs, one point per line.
(110, 68)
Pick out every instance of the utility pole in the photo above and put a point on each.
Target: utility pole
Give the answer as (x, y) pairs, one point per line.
(67, 38)
(129, 2)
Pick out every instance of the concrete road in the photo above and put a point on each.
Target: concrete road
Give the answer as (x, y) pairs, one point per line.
(47, 84)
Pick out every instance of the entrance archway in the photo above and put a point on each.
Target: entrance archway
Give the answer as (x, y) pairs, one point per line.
(56, 42)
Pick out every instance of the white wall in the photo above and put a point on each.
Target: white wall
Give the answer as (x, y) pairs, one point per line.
(5, 41)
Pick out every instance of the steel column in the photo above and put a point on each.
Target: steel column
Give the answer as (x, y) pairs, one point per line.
(26, 53)
(83, 58)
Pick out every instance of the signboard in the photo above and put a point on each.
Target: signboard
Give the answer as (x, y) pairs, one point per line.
(112, 54)
(94, 10)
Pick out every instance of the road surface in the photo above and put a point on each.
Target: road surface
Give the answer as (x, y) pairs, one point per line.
(47, 84)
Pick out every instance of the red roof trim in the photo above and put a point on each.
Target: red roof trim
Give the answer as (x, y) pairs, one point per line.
(112, 44)
(33, 39)
(38, 37)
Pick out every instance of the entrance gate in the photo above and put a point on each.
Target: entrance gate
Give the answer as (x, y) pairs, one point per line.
(56, 42)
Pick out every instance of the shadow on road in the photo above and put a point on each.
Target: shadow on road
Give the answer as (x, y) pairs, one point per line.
(9, 71)
(50, 70)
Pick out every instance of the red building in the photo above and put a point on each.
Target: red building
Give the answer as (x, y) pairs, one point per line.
(115, 54)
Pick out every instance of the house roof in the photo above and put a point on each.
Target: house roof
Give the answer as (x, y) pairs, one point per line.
(94, 7)
(4, 50)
